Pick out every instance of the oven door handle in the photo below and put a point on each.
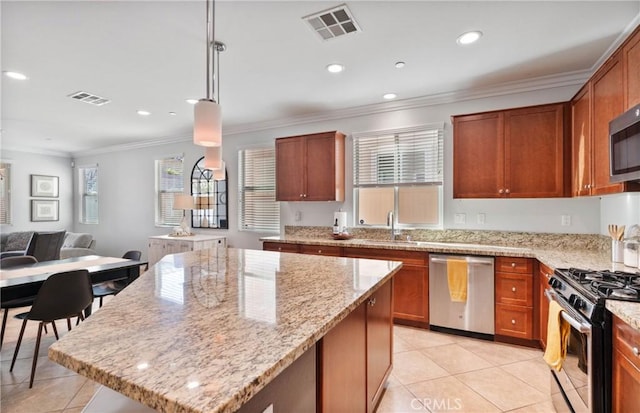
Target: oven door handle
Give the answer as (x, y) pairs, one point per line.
(584, 328)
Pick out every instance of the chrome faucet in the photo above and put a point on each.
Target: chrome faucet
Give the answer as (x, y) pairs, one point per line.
(391, 222)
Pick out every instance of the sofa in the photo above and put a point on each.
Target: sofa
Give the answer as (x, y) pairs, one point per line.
(75, 244)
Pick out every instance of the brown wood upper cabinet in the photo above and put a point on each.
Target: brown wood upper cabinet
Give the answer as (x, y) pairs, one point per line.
(631, 69)
(310, 167)
(593, 107)
(494, 153)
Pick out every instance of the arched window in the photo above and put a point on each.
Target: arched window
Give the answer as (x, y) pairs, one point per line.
(210, 198)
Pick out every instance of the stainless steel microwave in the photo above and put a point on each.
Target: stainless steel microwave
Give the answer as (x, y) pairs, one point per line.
(624, 146)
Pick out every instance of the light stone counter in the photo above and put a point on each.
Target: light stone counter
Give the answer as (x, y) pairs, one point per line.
(560, 255)
(204, 331)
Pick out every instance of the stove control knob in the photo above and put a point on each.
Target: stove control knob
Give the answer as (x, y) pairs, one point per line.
(576, 302)
(555, 283)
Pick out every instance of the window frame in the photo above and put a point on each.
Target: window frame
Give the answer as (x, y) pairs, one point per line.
(5, 194)
(83, 194)
(400, 157)
(161, 215)
(274, 224)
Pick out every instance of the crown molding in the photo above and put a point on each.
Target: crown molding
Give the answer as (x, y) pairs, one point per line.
(577, 78)
(617, 43)
(36, 150)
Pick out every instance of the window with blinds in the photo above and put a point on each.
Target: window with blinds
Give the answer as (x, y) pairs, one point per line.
(5, 193)
(169, 180)
(258, 210)
(399, 171)
(88, 184)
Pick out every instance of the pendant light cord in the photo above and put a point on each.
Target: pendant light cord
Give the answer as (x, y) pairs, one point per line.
(210, 43)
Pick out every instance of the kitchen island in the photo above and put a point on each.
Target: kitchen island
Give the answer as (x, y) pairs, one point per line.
(206, 331)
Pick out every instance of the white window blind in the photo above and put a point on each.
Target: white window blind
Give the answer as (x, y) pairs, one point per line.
(400, 157)
(5, 193)
(399, 171)
(169, 180)
(88, 180)
(258, 210)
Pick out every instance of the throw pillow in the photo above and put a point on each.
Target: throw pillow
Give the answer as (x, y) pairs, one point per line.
(18, 241)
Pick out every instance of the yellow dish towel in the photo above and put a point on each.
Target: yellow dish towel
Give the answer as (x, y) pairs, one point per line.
(557, 337)
(457, 278)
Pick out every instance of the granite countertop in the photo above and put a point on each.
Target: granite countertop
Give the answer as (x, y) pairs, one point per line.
(555, 256)
(204, 331)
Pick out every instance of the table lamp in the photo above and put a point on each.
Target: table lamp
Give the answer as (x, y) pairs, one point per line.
(185, 203)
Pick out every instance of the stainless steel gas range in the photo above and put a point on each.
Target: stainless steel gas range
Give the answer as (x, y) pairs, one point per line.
(584, 382)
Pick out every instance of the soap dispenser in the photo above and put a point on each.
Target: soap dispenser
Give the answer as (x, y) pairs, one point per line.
(336, 228)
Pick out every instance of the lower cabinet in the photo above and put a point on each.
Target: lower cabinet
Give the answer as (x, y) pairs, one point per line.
(161, 245)
(410, 284)
(626, 367)
(514, 297)
(544, 274)
(354, 357)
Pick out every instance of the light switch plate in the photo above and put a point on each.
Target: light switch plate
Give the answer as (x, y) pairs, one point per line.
(460, 218)
(298, 216)
(481, 218)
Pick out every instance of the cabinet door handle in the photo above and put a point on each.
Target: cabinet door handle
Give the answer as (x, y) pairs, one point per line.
(513, 289)
(501, 191)
(635, 351)
(513, 265)
(548, 276)
(372, 302)
(301, 195)
(319, 251)
(305, 195)
(279, 248)
(507, 190)
(513, 322)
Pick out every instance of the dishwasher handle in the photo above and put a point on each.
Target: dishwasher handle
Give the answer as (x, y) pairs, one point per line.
(471, 261)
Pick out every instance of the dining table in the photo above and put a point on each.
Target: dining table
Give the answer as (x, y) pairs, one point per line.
(25, 280)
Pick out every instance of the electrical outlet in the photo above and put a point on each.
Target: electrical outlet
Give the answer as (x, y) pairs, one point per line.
(481, 218)
(298, 216)
(566, 220)
(460, 218)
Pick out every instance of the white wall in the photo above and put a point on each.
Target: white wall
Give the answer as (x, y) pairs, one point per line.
(127, 181)
(23, 165)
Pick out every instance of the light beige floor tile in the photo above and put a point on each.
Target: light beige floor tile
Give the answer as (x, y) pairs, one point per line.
(73, 410)
(450, 394)
(413, 366)
(500, 354)
(419, 338)
(502, 389)
(393, 381)
(455, 358)
(399, 400)
(400, 344)
(84, 395)
(533, 372)
(546, 407)
(45, 396)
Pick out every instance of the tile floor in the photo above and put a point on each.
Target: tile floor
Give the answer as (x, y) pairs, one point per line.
(433, 372)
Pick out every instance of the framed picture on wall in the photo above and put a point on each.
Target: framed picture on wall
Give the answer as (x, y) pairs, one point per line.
(44, 185)
(44, 210)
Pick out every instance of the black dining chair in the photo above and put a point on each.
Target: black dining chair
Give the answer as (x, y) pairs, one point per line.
(104, 289)
(45, 246)
(62, 295)
(6, 305)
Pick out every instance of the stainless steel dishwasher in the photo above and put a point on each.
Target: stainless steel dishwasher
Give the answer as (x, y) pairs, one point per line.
(474, 315)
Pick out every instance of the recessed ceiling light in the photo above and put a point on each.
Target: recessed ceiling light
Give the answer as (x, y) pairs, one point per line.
(172, 113)
(144, 113)
(389, 96)
(192, 101)
(469, 37)
(400, 65)
(15, 75)
(335, 68)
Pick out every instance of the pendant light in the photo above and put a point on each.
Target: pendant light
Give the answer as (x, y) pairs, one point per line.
(207, 120)
(213, 157)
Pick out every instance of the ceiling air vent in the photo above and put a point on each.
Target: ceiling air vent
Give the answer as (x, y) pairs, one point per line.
(87, 97)
(333, 23)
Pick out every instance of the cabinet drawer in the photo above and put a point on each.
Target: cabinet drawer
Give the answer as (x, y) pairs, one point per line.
(513, 264)
(626, 339)
(514, 289)
(279, 246)
(320, 250)
(514, 321)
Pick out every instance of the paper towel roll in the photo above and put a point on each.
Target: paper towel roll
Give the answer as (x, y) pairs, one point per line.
(342, 220)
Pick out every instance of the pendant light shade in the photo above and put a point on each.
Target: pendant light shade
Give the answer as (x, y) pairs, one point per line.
(220, 174)
(213, 157)
(207, 123)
